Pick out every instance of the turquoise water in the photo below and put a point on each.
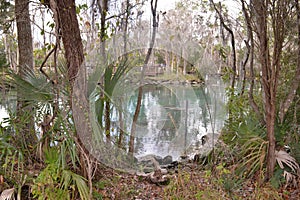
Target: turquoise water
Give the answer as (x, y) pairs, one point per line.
(171, 120)
(172, 117)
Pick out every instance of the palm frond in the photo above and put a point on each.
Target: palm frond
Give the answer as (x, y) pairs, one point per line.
(68, 177)
(8, 194)
(31, 87)
(254, 154)
(283, 157)
(290, 178)
(81, 186)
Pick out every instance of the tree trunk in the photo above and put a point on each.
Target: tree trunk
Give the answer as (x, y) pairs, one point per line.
(125, 25)
(233, 75)
(11, 56)
(68, 28)
(103, 9)
(184, 64)
(24, 35)
(125, 31)
(267, 82)
(250, 47)
(25, 62)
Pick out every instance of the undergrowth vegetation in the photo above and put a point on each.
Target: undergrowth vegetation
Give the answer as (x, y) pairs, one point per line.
(52, 169)
(245, 134)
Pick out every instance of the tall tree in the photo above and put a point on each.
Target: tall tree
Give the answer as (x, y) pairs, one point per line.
(270, 19)
(67, 29)
(25, 49)
(268, 80)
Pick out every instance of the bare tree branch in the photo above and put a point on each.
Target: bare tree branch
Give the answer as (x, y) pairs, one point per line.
(250, 47)
(44, 62)
(232, 41)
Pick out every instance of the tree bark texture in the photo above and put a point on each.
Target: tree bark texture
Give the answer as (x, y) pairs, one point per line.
(268, 81)
(25, 50)
(68, 29)
(24, 34)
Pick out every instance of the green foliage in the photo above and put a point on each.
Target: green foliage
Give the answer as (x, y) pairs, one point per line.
(97, 196)
(81, 7)
(6, 15)
(226, 179)
(32, 88)
(55, 182)
(11, 158)
(46, 184)
(242, 124)
(101, 184)
(278, 179)
(295, 150)
(245, 133)
(113, 76)
(222, 50)
(159, 57)
(3, 60)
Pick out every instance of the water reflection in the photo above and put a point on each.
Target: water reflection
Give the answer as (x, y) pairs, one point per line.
(165, 126)
(8, 102)
(161, 124)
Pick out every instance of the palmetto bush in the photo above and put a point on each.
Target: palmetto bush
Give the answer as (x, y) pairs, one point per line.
(247, 136)
(59, 162)
(253, 148)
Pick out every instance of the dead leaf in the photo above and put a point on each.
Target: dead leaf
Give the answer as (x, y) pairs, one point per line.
(8, 194)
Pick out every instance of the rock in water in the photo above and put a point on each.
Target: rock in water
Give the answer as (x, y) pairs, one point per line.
(167, 160)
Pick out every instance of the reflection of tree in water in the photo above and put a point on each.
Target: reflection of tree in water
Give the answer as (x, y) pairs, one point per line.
(171, 104)
(170, 118)
(130, 107)
(204, 102)
(161, 119)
